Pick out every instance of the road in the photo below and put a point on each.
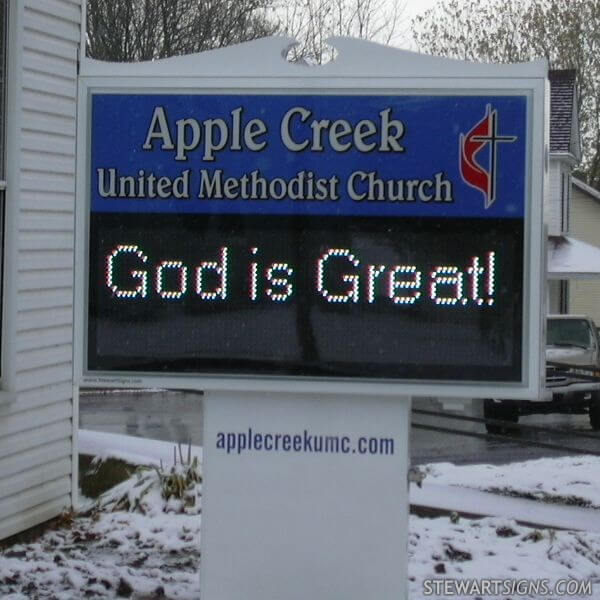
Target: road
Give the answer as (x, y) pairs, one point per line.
(177, 416)
(428, 446)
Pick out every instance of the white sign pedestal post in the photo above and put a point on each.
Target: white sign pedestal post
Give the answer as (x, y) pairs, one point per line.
(305, 496)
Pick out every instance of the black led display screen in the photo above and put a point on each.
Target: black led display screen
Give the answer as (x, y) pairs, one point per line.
(352, 296)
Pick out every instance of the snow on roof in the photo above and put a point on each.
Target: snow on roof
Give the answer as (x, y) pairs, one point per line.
(584, 187)
(569, 258)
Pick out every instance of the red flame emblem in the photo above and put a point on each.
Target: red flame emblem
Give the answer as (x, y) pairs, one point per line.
(483, 134)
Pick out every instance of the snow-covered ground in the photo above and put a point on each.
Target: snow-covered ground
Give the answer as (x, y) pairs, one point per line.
(500, 550)
(573, 480)
(559, 493)
(149, 553)
(107, 555)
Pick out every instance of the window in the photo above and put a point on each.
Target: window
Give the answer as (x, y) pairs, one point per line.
(569, 332)
(565, 202)
(564, 297)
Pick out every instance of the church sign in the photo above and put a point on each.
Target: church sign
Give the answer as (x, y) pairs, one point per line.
(318, 236)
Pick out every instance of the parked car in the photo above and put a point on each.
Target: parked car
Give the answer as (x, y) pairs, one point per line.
(572, 375)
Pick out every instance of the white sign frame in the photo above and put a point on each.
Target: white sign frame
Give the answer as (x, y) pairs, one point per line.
(361, 68)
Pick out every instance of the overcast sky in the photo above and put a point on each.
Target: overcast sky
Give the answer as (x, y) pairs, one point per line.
(412, 9)
(415, 7)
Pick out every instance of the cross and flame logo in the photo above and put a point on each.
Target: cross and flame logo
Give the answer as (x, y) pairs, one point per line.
(483, 134)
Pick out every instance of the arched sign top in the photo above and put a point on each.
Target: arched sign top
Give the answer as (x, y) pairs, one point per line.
(356, 58)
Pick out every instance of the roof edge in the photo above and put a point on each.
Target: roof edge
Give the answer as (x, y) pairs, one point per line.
(563, 154)
(584, 187)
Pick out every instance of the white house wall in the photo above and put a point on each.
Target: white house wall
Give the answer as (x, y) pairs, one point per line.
(584, 294)
(37, 425)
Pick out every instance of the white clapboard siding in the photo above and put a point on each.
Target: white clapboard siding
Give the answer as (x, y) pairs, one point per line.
(32, 300)
(42, 474)
(41, 377)
(53, 259)
(34, 496)
(59, 127)
(38, 514)
(46, 433)
(584, 294)
(43, 454)
(41, 142)
(59, 354)
(37, 426)
(31, 181)
(35, 417)
(39, 320)
(51, 200)
(45, 221)
(31, 239)
(43, 102)
(28, 340)
(43, 18)
(45, 279)
(31, 401)
(46, 44)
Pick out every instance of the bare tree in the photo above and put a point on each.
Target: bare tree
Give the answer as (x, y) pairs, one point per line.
(311, 22)
(566, 32)
(490, 31)
(134, 30)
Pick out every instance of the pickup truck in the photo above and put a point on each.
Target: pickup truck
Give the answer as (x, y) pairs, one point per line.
(572, 375)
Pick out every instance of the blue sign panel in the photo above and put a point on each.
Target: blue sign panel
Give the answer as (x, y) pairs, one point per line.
(441, 156)
(312, 235)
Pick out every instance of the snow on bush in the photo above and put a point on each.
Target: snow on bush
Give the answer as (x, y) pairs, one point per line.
(153, 489)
